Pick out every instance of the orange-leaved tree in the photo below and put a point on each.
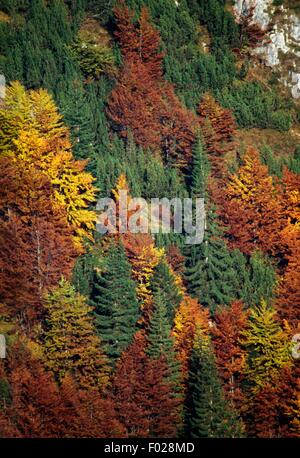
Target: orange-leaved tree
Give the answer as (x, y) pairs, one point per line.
(32, 132)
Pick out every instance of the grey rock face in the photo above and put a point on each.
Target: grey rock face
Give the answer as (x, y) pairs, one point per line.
(281, 48)
(2, 346)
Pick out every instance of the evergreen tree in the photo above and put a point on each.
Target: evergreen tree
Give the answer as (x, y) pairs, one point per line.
(255, 278)
(209, 268)
(261, 280)
(208, 413)
(200, 170)
(78, 115)
(160, 341)
(115, 304)
(164, 282)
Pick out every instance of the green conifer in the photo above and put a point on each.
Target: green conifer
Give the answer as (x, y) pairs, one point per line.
(114, 299)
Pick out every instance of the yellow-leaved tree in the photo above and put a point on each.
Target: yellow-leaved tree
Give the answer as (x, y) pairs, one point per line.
(69, 340)
(267, 346)
(32, 133)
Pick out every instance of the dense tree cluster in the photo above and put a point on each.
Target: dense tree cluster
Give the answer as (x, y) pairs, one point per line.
(133, 334)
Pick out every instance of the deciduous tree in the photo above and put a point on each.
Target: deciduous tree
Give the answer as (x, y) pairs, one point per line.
(69, 340)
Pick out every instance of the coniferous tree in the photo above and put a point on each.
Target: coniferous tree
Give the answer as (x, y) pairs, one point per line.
(261, 281)
(163, 279)
(160, 340)
(209, 268)
(143, 399)
(78, 116)
(208, 413)
(253, 208)
(200, 170)
(69, 340)
(113, 297)
(267, 347)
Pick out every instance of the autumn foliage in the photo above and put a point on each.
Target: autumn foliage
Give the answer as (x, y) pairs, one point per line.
(230, 356)
(135, 334)
(218, 130)
(36, 246)
(143, 398)
(142, 102)
(253, 207)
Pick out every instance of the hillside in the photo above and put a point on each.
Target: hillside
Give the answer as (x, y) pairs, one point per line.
(124, 313)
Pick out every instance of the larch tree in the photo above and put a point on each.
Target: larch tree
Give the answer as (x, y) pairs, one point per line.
(253, 208)
(267, 348)
(32, 132)
(36, 240)
(143, 400)
(230, 322)
(69, 340)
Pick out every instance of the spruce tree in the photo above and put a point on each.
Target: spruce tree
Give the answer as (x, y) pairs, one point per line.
(209, 268)
(209, 272)
(160, 341)
(255, 278)
(164, 280)
(115, 304)
(208, 414)
(160, 348)
(78, 115)
(200, 169)
(261, 280)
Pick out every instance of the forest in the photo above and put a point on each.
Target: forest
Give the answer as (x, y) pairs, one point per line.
(140, 335)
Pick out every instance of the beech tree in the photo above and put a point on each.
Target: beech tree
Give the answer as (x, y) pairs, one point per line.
(190, 317)
(288, 297)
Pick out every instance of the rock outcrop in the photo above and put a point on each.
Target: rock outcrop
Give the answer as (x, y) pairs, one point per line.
(281, 48)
